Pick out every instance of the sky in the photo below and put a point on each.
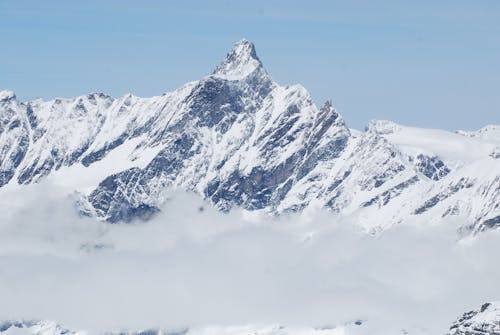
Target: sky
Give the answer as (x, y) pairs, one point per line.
(421, 63)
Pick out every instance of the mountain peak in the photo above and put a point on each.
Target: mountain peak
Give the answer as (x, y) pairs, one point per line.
(382, 127)
(241, 61)
(7, 95)
(328, 105)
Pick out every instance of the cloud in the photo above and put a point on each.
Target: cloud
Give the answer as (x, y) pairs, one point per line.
(192, 267)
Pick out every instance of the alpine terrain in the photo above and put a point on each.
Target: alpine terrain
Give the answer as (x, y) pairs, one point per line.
(240, 140)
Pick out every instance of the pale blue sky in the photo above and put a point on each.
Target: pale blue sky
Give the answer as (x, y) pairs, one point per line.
(423, 63)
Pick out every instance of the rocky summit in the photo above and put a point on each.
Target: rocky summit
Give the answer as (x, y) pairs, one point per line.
(482, 321)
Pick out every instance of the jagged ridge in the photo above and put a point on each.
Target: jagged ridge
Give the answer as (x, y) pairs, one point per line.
(239, 139)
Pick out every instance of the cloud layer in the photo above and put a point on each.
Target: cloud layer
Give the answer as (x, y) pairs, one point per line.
(192, 267)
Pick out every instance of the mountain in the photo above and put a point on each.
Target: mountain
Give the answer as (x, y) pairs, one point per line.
(483, 321)
(35, 327)
(240, 140)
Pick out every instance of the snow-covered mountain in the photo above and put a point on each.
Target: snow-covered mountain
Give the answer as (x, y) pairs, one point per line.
(483, 321)
(239, 139)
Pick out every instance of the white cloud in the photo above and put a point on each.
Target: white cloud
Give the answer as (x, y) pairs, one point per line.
(193, 268)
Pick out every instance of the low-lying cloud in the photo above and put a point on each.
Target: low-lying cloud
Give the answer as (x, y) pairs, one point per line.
(192, 267)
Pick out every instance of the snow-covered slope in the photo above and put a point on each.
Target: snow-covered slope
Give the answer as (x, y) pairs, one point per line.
(26, 327)
(483, 321)
(239, 139)
(490, 133)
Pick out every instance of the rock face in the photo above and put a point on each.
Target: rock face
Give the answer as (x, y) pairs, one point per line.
(239, 139)
(483, 321)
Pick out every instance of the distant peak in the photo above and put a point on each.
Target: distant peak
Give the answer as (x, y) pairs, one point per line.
(382, 127)
(241, 61)
(245, 47)
(328, 105)
(7, 95)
